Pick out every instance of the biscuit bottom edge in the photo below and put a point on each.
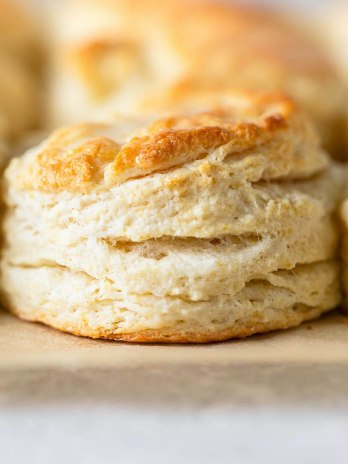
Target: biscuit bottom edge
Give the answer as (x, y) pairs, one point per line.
(174, 336)
(76, 303)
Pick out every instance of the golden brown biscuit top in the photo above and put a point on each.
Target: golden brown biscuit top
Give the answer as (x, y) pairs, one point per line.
(80, 158)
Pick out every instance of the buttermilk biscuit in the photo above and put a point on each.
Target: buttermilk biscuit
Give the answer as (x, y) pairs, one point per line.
(134, 56)
(192, 228)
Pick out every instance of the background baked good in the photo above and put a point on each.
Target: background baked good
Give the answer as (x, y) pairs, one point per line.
(332, 32)
(344, 246)
(19, 32)
(197, 227)
(20, 62)
(131, 56)
(18, 97)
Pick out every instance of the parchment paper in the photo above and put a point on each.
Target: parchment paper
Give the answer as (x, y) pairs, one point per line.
(24, 344)
(304, 366)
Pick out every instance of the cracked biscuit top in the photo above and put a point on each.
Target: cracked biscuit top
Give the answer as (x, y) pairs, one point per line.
(263, 131)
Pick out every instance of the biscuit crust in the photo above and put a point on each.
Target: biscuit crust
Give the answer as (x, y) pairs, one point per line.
(191, 228)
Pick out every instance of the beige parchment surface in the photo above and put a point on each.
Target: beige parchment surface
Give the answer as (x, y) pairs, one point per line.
(304, 366)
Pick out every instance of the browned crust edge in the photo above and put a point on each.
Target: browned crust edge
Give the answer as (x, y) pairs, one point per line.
(301, 314)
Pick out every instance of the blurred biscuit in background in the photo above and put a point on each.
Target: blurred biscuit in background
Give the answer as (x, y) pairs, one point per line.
(20, 65)
(18, 97)
(193, 228)
(344, 218)
(333, 33)
(19, 32)
(131, 56)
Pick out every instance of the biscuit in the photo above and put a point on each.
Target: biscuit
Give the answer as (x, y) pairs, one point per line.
(196, 227)
(132, 56)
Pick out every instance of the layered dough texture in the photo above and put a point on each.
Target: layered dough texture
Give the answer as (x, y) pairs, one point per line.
(141, 56)
(194, 228)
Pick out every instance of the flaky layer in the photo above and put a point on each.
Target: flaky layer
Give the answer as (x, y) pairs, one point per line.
(189, 267)
(77, 303)
(183, 203)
